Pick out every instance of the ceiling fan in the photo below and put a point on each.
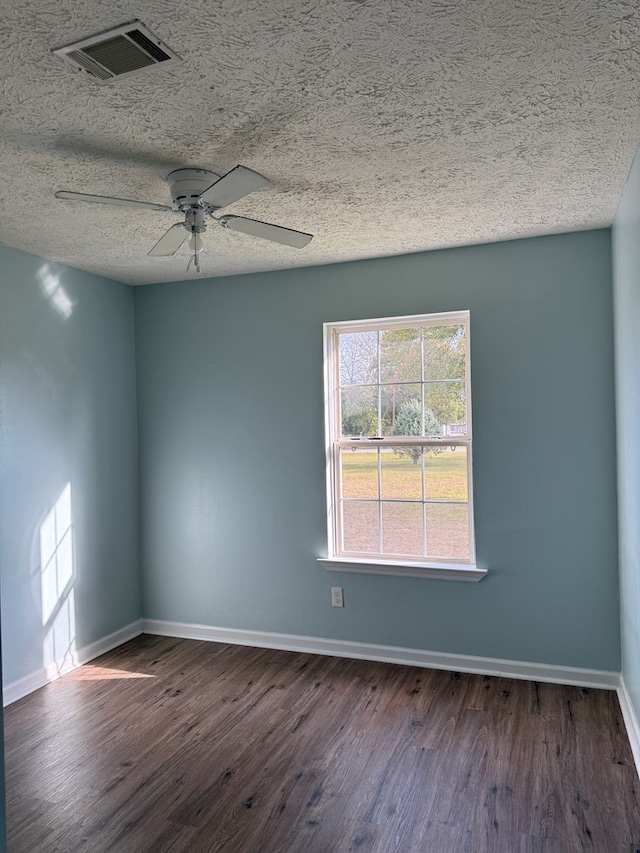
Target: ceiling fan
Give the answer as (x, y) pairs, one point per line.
(199, 194)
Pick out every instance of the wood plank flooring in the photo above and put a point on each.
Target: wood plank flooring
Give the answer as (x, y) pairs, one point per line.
(180, 746)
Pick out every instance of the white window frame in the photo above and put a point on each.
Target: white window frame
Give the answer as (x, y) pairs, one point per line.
(374, 563)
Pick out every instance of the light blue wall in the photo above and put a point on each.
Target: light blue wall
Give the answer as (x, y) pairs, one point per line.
(67, 415)
(232, 460)
(626, 267)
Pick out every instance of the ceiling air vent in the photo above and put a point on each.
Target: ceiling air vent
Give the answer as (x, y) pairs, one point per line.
(127, 49)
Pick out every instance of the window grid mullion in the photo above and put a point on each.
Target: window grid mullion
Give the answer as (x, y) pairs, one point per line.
(337, 473)
(379, 430)
(431, 501)
(424, 506)
(425, 538)
(421, 381)
(422, 455)
(415, 441)
(470, 505)
(380, 531)
(409, 382)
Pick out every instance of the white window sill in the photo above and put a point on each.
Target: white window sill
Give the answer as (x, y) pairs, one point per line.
(435, 571)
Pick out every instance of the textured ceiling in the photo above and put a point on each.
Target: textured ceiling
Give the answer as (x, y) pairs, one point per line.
(386, 126)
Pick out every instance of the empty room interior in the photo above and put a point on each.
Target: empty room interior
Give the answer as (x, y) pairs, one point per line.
(319, 400)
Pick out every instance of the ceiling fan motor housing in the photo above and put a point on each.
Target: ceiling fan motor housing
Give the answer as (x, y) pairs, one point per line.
(187, 185)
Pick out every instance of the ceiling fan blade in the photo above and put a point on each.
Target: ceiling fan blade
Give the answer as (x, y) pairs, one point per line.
(105, 199)
(275, 233)
(170, 241)
(232, 186)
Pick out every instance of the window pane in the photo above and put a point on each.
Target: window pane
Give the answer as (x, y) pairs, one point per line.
(445, 473)
(359, 473)
(402, 529)
(358, 358)
(359, 411)
(445, 411)
(448, 531)
(444, 352)
(400, 354)
(360, 527)
(400, 409)
(401, 472)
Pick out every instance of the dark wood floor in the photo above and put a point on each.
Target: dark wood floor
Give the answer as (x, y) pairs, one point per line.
(178, 746)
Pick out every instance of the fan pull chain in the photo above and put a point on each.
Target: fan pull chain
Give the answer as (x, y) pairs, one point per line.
(196, 248)
(195, 260)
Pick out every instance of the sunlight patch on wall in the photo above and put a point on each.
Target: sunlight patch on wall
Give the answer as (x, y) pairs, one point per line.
(54, 291)
(59, 647)
(56, 553)
(56, 584)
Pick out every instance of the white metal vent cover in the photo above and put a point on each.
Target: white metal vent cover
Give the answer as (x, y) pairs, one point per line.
(127, 49)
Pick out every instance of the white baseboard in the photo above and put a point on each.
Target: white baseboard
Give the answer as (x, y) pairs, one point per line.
(23, 686)
(338, 648)
(630, 721)
(388, 654)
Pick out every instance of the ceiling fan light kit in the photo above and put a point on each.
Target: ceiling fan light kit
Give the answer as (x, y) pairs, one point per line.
(199, 194)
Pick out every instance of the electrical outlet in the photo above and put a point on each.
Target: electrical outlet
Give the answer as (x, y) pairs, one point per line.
(337, 598)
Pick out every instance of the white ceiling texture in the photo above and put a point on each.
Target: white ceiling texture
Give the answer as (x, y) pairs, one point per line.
(385, 126)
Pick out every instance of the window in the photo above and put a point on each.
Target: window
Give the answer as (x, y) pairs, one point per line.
(398, 420)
